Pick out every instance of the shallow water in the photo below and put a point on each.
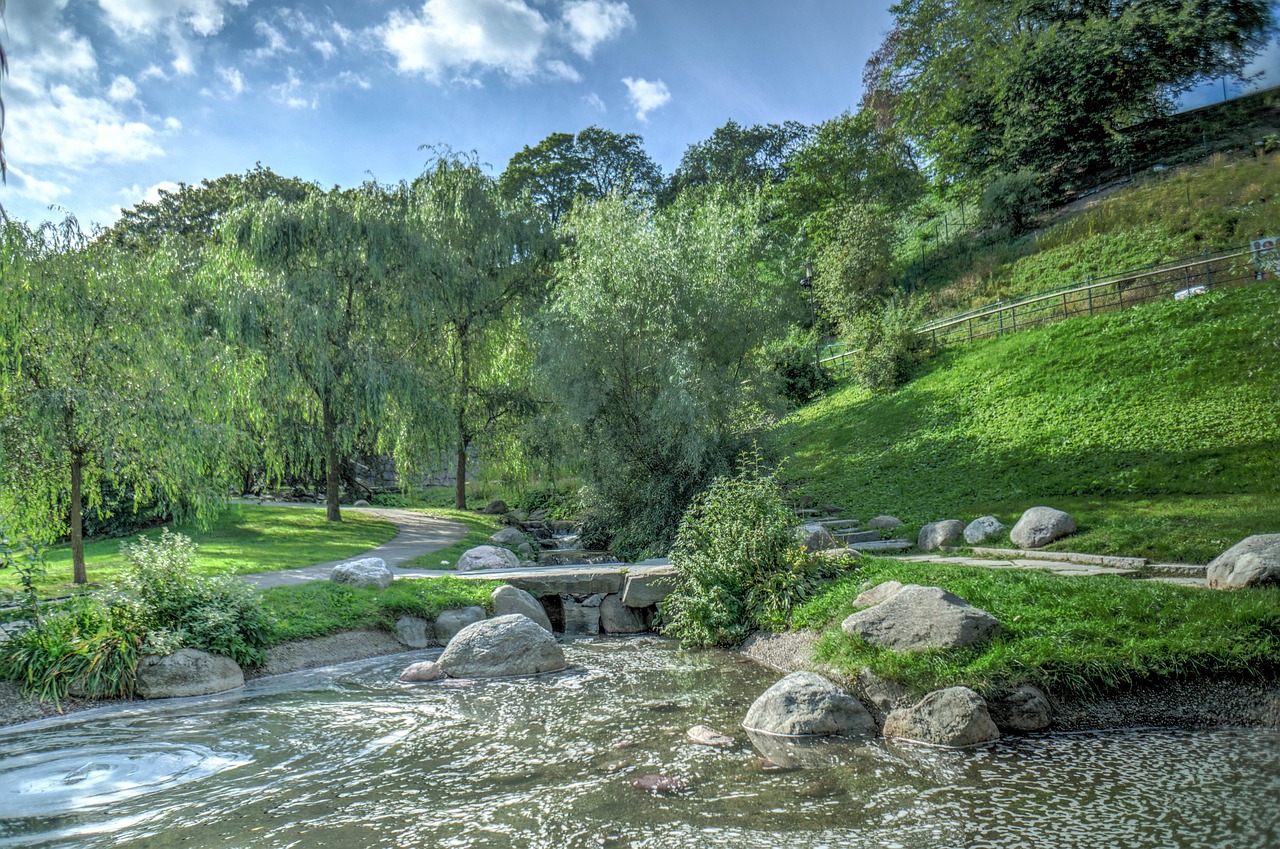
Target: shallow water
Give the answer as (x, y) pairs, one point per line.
(349, 757)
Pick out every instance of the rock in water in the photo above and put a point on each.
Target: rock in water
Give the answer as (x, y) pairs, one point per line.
(916, 618)
(508, 599)
(366, 572)
(944, 534)
(805, 703)
(981, 530)
(505, 645)
(660, 785)
(617, 618)
(1021, 708)
(955, 717)
(450, 622)
(419, 673)
(705, 735)
(1041, 526)
(487, 557)
(186, 672)
(1252, 562)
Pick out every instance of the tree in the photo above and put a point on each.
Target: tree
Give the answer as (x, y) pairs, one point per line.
(744, 157)
(594, 163)
(312, 307)
(476, 258)
(854, 269)
(102, 383)
(655, 333)
(1049, 85)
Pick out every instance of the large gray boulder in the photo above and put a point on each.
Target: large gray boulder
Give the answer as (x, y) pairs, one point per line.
(505, 645)
(944, 534)
(581, 613)
(508, 599)
(366, 572)
(877, 594)
(1252, 562)
(487, 557)
(805, 703)
(617, 618)
(496, 507)
(955, 717)
(916, 618)
(415, 632)
(647, 588)
(981, 530)
(884, 522)
(450, 622)
(816, 537)
(509, 536)
(186, 672)
(1021, 708)
(1041, 526)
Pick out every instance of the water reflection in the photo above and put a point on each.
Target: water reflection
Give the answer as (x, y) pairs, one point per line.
(350, 757)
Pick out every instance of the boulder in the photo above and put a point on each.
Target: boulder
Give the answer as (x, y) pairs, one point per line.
(878, 593)
(1253, 562)
(525, 551)
(539, 515)
(450, 622)
(360, 502)
(884, 522)
(508, 599)
(944, 534)
(916, 618)
(415, 632)
(660, 785)
(496, 507)
(366, 572)
(645, 589)
(805, 703)
(505, 645)
(617, 618)
(981, 530)
(955, 717)
(487, 557)
(1021, 708)
(582, 614)
(186, 672)
(1041, 526)
(816, 537)
(705, 735)
(418, 673)
(884, 694)
(509, 536)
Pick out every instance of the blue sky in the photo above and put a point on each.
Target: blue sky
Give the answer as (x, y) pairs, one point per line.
(109, 100)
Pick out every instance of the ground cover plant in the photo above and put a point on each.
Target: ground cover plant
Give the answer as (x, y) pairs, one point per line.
(317, 608)
(1153, 419)
(240, 540)
(1066, 635)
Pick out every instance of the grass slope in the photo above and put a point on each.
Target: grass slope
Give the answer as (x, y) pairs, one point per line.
(242, 539)
(1160, 425)
(1067, 635)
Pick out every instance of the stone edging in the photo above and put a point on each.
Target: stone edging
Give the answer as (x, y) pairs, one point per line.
(1064, 557)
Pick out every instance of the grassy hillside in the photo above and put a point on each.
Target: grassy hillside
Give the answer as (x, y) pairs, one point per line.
(1158, 426)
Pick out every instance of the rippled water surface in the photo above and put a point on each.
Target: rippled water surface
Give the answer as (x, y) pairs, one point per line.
(349, 757)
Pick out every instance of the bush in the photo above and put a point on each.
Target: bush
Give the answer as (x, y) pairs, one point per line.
(795, 363)
(741, 564)
(887, 347)
(1013, 201)
(78, 649)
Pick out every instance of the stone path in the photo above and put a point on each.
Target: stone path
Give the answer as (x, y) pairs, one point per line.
(1183, 574)
(419, 534)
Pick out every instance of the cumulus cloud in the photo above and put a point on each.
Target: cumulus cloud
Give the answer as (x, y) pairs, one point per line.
(122, 90)
(136, 194)
(152, 17)
(590, 22)
(41, 191)
(66, 129)
(646, 95)
(233, 79)
(464, 35)
(563, 71)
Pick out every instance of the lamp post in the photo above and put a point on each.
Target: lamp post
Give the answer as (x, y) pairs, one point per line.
(806, 282)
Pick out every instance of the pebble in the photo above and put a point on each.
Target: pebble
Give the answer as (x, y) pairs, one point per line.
(705, 735)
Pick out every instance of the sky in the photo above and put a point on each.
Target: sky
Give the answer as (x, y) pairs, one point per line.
(109, 101)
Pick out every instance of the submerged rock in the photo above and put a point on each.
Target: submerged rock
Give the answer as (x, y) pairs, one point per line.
(366, 572)
(955, 717)
(1252, 562)
(660, 785)
(421, 672)
(916, 618)
(1041, 526)
(186, 672)
(805, 703)
(705, 735)
(502, 646)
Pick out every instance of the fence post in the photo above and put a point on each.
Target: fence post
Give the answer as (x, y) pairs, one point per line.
(1208, 271)
(1065, 314)
(971, 330)
(1000, 315)
(1089, 281)
(1013, 316)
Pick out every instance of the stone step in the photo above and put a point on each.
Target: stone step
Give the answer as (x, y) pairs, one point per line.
(832, 524)
(1181, 582)
(1065, 557)
(807, 511)
(883, 545)
(857, 536)
(1178, 570)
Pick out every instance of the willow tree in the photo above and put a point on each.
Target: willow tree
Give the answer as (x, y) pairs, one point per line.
(103, 384)
(313, 304)
(480, 262)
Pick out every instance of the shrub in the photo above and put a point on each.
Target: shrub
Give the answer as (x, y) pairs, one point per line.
(742, 566)
(79, 649)
(887, 347)
(801, 378)
(1013, 201)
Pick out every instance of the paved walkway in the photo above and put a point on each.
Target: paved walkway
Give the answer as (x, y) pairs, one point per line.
(419, 534)
(1182, 574)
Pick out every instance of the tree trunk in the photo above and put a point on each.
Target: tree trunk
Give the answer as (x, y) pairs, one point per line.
(332, 472)
(464, 391)
(76, 517)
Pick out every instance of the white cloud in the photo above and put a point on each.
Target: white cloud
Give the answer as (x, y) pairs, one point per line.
(646, 95)
(122, 90)
(325, 48)
(290, 93)
(593, 100)
(151, 17)
(153, 72)
(47, 45)
(352, 78)
(136, 194)
(172, 124)
(461, 35)
(276, 43)
(563, 71)
(41, 191)
(591, 22)
(65, 129)
(234, 80)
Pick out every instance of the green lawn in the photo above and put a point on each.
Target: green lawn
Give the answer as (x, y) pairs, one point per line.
(1067, 635)
(240, 540)
(1159, 425)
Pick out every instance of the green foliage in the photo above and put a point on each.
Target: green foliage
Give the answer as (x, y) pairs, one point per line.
(27, 560)
(1012, 201)
(656, 335)
(854, 272)
(1162, 401)
(1067, 635)
(317, 608)
(740, 564)
(885, 348)
(119, 514)
(737, 157)
(78, 650)
(796, 365)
